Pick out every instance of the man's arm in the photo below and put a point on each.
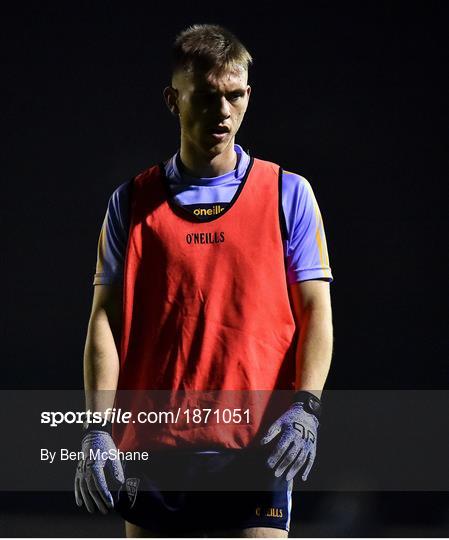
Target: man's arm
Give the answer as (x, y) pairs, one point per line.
(101, 371)
(296, 430)
(312, 311)
(101, 359)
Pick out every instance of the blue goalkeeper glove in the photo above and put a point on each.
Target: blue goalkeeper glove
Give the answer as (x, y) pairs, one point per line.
(91, 486)
(298, 430)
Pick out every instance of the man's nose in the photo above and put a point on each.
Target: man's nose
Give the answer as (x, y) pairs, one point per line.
(225, 111)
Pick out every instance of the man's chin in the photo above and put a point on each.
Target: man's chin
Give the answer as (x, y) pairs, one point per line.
(218, 148)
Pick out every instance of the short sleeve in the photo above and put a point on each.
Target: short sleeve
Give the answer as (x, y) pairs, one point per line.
(306, 247)
(113, 238)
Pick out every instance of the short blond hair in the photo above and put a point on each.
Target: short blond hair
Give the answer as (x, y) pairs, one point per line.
(209, 47)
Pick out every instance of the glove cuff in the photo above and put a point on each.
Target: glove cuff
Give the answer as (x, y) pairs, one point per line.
(89, 426)
(309, 401)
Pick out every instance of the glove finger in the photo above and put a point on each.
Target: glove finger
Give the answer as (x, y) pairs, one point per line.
(287, 459)
(280, 449)
(78, 498)
(305, 474)
(296, 466)
(95, 492)
(87, 499)
(102, 486)
(271, 433)
(117, 469)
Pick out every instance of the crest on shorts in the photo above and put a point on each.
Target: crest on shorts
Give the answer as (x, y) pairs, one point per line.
(132, 486)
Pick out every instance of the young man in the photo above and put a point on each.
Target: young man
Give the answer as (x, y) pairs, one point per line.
(212, 275)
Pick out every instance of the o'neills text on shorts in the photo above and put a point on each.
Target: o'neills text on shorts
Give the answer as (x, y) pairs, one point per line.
(205, 238)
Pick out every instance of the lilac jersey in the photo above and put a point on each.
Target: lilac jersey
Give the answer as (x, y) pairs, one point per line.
(304, 248)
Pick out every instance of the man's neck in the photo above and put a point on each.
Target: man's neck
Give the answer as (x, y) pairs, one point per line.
(201, 166)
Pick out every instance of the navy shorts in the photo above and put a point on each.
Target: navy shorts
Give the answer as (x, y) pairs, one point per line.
(181, 492)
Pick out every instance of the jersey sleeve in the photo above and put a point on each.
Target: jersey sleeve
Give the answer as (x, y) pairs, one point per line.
(306, 248)
(113, 238)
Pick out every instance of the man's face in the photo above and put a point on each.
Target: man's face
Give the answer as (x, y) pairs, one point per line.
(211, 108)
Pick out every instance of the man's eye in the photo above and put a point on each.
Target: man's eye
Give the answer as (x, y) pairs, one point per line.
(235, 97)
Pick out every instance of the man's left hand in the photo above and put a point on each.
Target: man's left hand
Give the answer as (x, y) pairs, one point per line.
(297, 430)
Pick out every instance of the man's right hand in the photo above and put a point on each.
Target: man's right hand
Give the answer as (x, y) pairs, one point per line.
(91, 487)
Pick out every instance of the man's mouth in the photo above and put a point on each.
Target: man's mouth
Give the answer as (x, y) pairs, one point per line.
(219, 130)
(219, 133)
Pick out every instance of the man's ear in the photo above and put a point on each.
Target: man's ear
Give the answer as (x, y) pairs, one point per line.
(171, 99)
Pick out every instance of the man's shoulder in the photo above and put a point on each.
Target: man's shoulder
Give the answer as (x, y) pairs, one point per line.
(124, 189)
(148, 171)
(120, 195)
(289, 178)
(296, 189)
(266, 164)
(294, 179)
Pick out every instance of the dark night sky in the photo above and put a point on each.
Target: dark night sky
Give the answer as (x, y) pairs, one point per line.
(354, 99)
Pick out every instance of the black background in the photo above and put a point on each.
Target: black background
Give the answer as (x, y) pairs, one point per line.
(353, 97)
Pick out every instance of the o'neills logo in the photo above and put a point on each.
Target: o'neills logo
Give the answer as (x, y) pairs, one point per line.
(270, 512)
(214, 211)
(205, 238)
